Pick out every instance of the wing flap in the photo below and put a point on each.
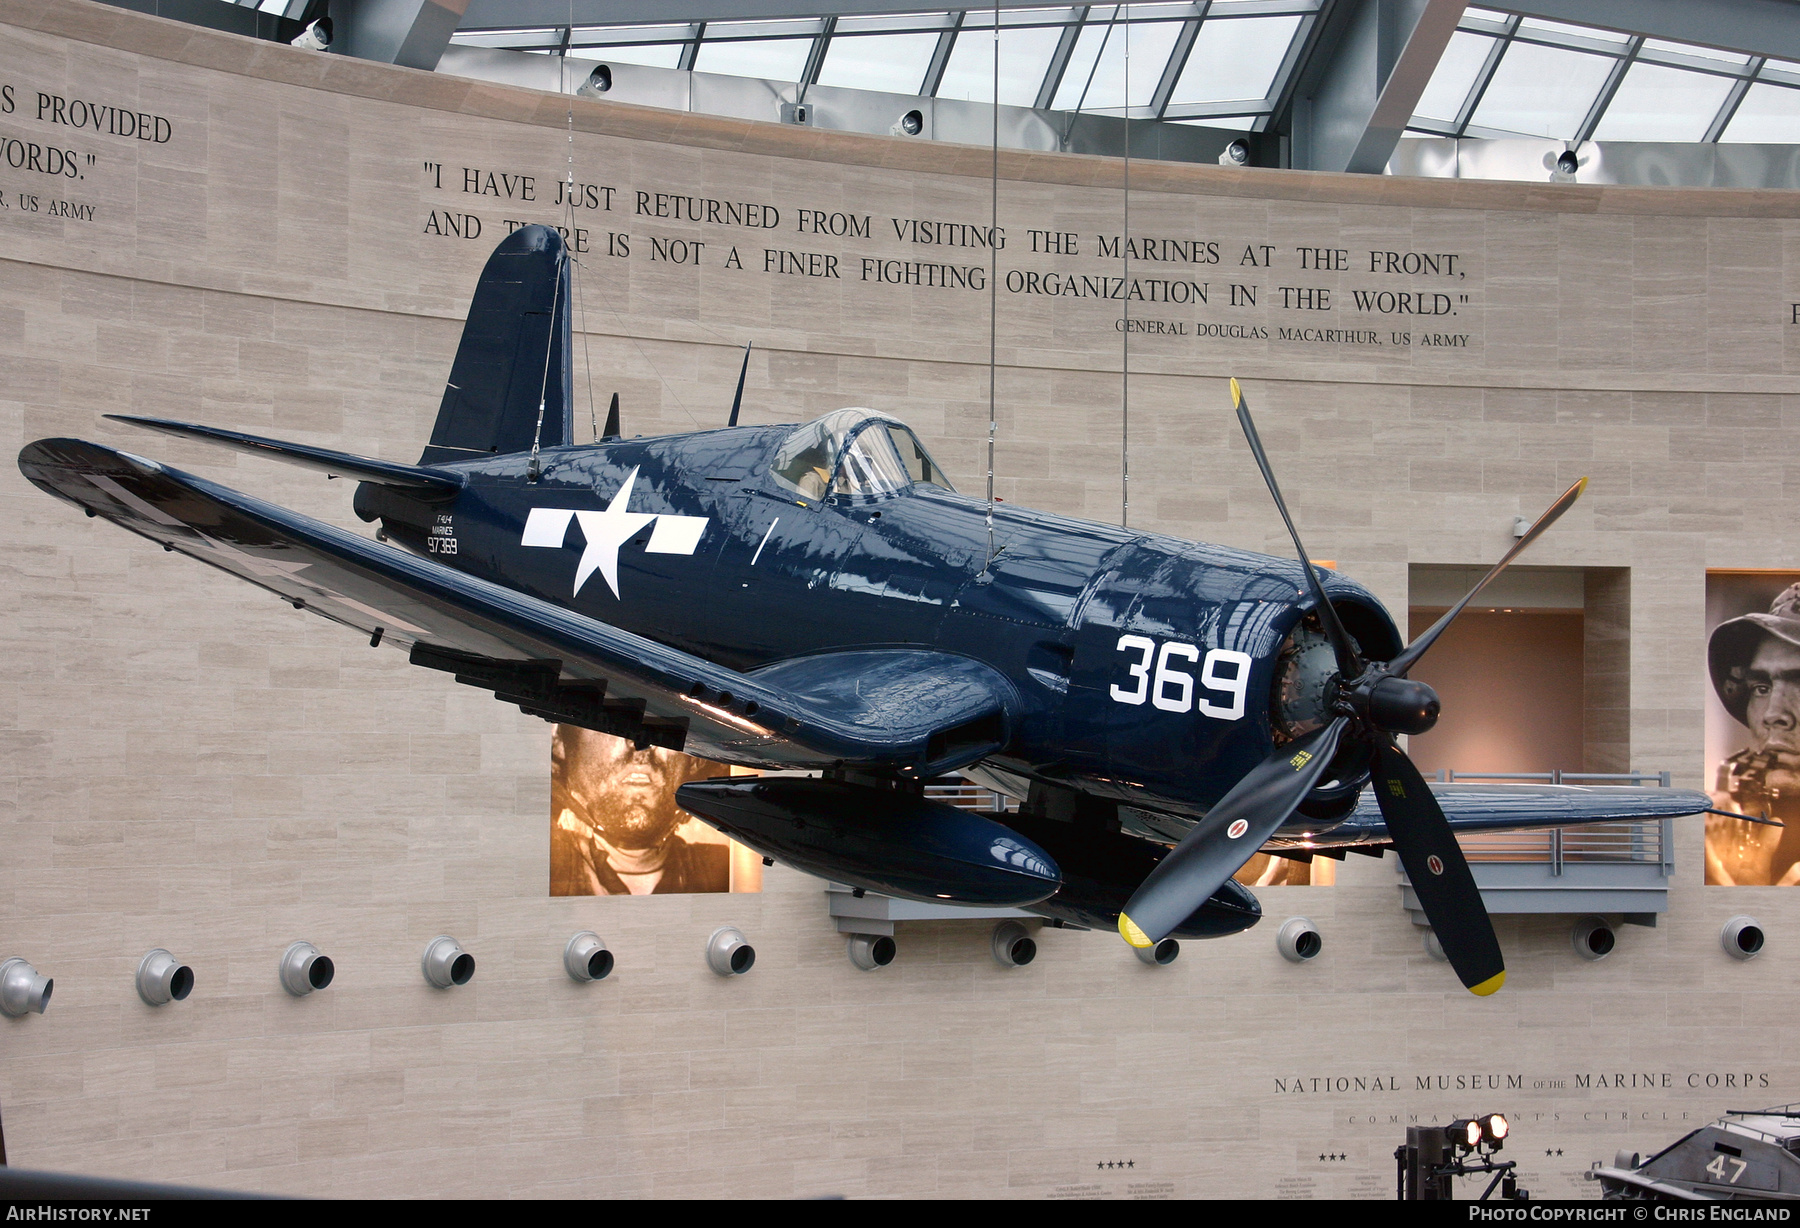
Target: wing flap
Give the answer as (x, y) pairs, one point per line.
(927, 712)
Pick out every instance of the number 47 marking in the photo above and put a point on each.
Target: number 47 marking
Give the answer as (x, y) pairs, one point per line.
(1717, 1168)
(1172, 690)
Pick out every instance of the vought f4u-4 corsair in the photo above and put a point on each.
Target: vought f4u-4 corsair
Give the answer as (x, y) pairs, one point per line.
(820, 598)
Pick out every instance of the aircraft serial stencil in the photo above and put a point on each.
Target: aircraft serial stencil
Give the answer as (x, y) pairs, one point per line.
(819, 597)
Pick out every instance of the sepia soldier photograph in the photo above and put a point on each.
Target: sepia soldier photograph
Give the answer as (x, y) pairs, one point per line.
(615, 828)
(1754, 756)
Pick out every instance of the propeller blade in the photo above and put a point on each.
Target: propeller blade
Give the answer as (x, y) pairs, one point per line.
(1349, 666)
(1231, 834)
(612, 419)
(1438, 871)
(1407, 659)
(738, 400)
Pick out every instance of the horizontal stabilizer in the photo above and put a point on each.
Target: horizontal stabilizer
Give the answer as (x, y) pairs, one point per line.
(418, 479)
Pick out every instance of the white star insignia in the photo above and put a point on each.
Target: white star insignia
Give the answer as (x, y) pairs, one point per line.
(608, 530)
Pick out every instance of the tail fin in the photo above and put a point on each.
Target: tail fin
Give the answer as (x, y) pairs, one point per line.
(514, 353)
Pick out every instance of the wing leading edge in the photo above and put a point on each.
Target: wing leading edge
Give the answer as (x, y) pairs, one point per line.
(1510, 807)
(900, 708)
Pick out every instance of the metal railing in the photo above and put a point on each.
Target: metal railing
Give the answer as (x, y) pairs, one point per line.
(970, 796)
(1645, 842)
(1559, 777)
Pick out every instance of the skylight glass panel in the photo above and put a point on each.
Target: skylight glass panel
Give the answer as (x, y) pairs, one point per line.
(1538, 25)
(1024, 59)
(772, 59)
(1484, 19)
(1454, 77)
(890, 25)
(1769, 114)
(1235, 61)
(1150, 44)
(1541, 91)
(1232, 123)
(650, 55)
(1733, 58)
(508, 38)
(890, 63)
(983, 19)
(1141, 12)
(1655, 103)
(763, 29)
(615, 36)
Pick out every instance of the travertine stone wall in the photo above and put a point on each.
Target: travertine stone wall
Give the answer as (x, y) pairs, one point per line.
(189, 764)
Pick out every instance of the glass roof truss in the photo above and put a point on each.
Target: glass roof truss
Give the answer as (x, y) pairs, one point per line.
(1129, 60)
(1506, 76)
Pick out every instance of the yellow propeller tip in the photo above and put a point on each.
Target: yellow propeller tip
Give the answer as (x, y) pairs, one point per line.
(1489, 986)
(1129, 931)
(1581, 488)
(1237, 394)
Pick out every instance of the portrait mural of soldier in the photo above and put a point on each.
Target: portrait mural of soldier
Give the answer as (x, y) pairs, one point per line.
(1753, 726)
(1268, 870)
(615, 828)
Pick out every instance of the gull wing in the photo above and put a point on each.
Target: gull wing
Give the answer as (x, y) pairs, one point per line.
(902, 709)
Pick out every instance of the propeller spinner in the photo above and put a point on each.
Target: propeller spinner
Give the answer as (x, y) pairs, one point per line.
(1369, 703)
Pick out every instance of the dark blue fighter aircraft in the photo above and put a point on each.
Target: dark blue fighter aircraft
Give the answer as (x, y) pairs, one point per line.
(819, 598)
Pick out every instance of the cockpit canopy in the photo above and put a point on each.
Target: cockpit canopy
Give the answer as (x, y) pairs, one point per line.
(854, 452)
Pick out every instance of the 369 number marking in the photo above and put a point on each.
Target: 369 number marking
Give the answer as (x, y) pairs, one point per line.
(1172, 690)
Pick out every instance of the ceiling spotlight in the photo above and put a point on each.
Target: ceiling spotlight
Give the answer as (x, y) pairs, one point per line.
(22, 990)
(161, 978)
(585, 958)
(1566, 166)
(598, 82)
(1236, 154)
(303, 969)
(910, 124)
(445, 964)
(729, 953)
(316, 36)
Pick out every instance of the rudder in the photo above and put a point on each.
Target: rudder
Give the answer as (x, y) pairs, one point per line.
(514, 352)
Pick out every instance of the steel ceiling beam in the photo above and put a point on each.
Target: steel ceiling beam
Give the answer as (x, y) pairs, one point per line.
(1365, 81)
(411, 33)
